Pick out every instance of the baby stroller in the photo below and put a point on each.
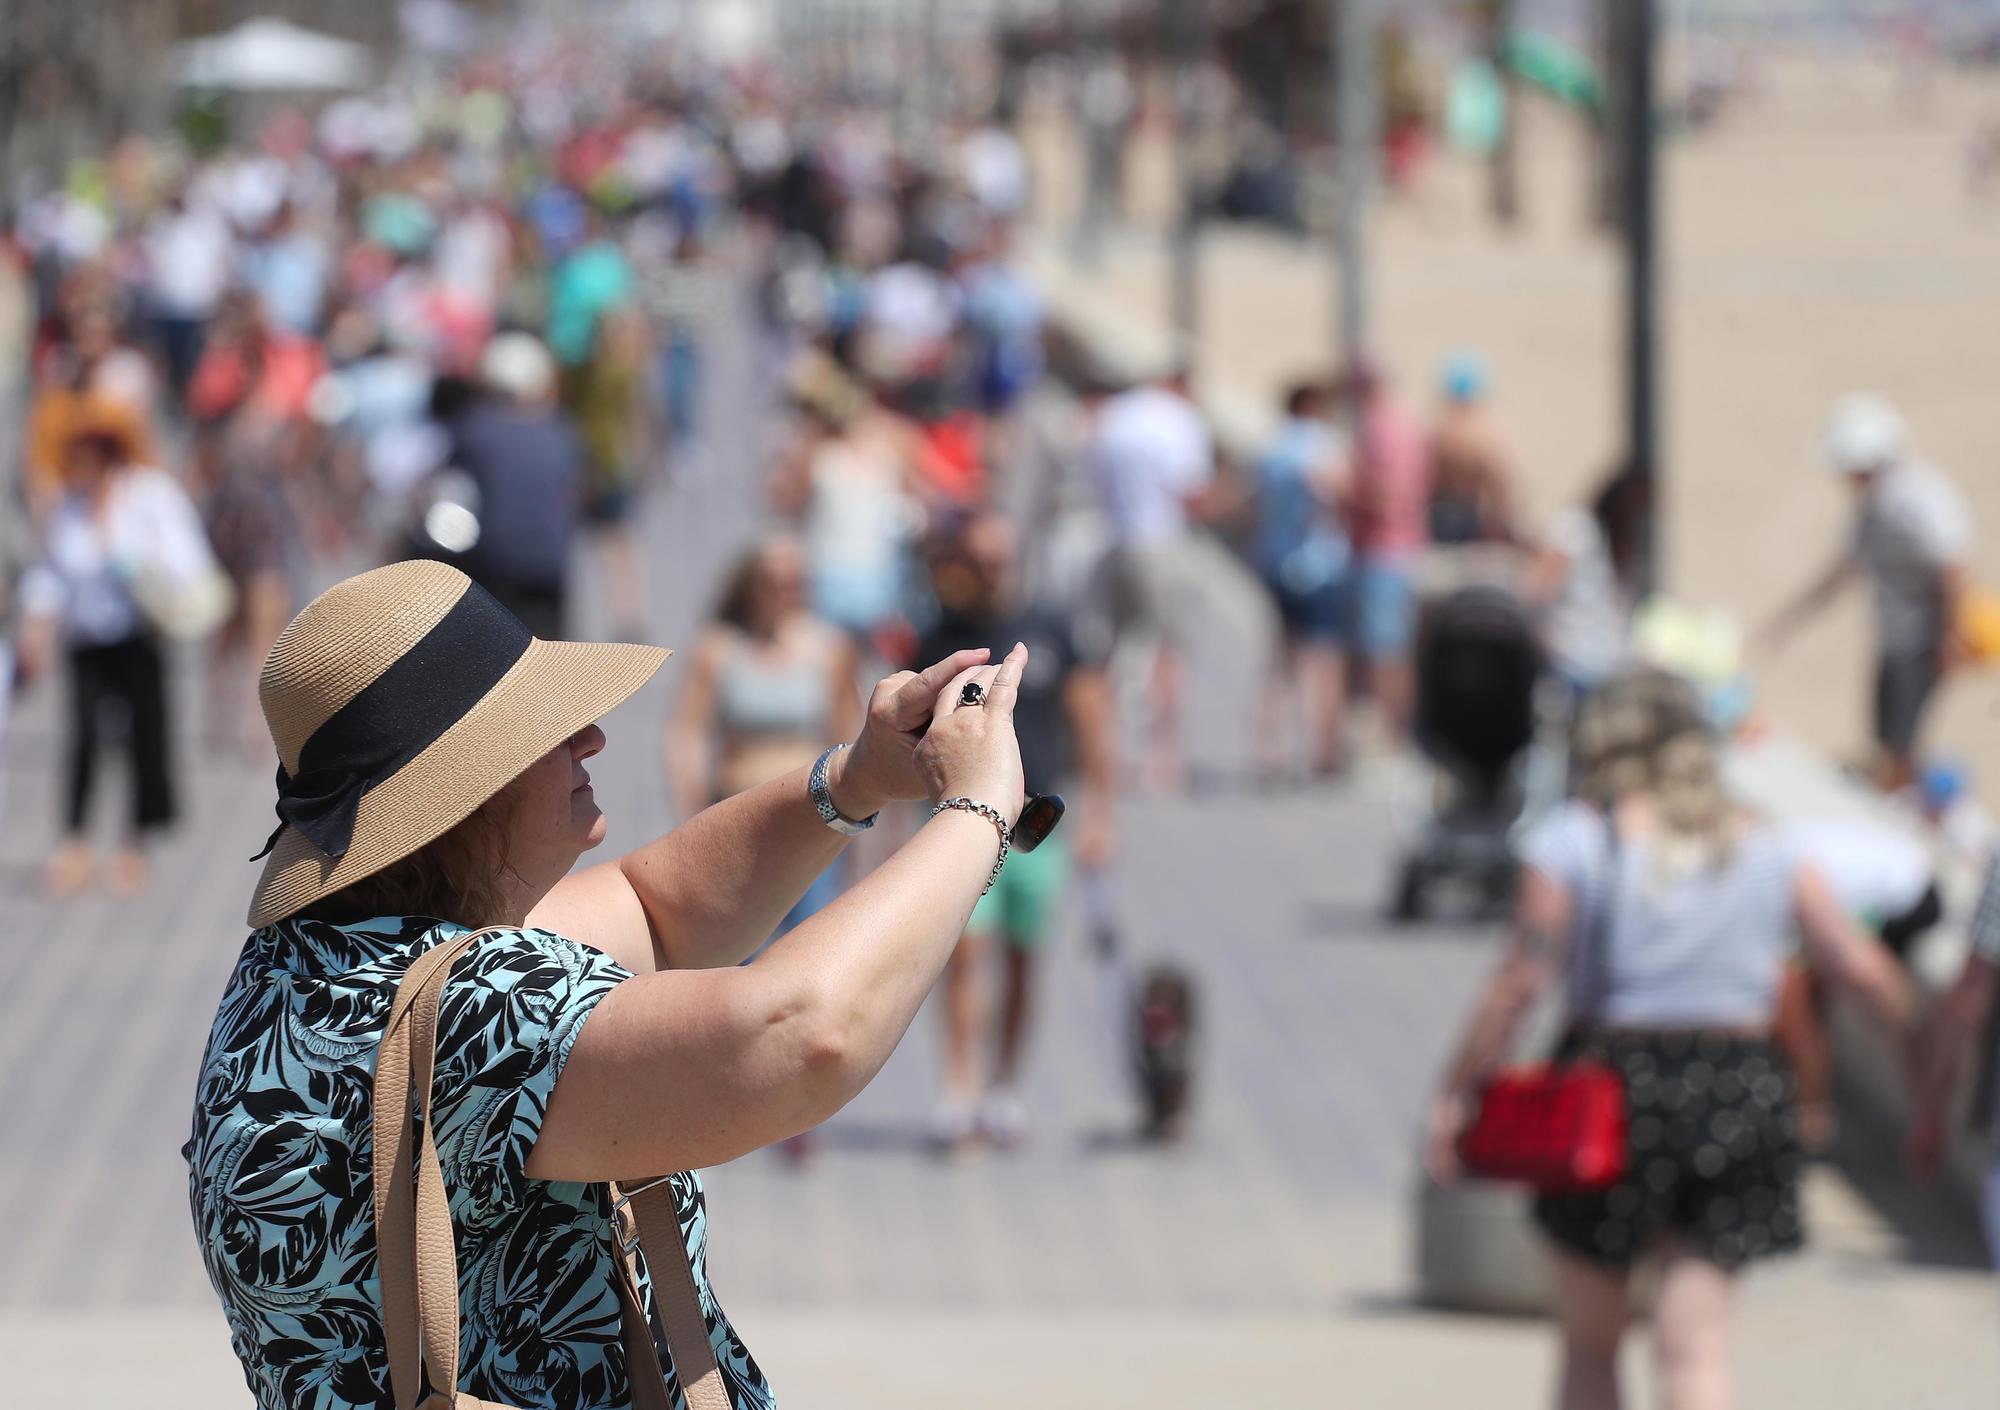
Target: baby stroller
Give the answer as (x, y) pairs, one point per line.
(1478, 661)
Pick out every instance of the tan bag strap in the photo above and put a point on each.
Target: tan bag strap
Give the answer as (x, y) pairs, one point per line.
(649, 1219)
(418, 1257)
(396, 1238)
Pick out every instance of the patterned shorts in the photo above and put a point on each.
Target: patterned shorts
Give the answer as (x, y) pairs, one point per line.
(1713, 1152)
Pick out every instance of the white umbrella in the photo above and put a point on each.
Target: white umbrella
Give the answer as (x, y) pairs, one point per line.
(267, 55)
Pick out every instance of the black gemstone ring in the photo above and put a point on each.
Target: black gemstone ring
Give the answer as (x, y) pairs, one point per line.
(972, 693)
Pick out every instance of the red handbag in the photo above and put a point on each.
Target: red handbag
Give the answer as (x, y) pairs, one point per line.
(1560, 1128)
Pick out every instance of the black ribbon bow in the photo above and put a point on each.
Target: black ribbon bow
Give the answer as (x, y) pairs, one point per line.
(321, 803)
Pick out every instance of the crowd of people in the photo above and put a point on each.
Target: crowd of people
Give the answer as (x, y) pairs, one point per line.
(378, 334)
(466, 322)
(472, 329)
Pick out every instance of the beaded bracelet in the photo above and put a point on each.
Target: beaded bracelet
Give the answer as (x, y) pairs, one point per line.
(992, 815)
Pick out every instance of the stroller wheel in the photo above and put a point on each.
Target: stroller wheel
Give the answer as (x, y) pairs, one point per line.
(1410, 900)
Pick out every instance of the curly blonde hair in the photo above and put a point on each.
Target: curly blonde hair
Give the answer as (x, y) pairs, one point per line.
(1645, 734)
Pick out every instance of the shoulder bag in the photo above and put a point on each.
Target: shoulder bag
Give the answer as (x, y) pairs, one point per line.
(419, 1260)
(179, 586)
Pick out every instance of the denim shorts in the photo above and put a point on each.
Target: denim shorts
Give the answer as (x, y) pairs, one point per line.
(1383, 609)
(1317, 614)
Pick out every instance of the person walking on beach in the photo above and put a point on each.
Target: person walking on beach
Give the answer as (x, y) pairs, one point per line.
(1155, 464)
(1912, 537)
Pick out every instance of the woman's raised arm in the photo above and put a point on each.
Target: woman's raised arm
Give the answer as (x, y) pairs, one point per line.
(675, 1070)
(712, 890)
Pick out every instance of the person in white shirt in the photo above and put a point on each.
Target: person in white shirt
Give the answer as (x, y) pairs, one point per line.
(1582, 582)
(995, 170)
(1155, 465)
(1912, 537)
(1881, 877)
(1884, 880)
(117, 523)
(910, 310)
(189, 250)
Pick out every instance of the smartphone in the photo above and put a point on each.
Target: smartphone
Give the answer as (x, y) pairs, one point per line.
(1038, 819)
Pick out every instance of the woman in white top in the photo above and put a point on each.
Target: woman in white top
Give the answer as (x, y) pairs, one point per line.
(850, 481)
(117, 522)
(1668, 914)
(1582, 581)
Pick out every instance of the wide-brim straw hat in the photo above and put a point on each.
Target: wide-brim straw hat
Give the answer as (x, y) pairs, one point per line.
(401, 700)
(107, 423)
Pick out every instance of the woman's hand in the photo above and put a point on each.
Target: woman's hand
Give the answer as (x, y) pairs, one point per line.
(881, 768)
(1448, 1118)
(970, 750)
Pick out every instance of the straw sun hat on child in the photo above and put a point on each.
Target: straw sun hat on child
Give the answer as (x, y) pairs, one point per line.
(401, 700)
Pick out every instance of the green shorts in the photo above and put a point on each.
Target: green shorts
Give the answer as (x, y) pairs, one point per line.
(1023, 901)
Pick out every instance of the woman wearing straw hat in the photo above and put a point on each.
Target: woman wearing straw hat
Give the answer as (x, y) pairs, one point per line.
(1670, 916)
(433, 781)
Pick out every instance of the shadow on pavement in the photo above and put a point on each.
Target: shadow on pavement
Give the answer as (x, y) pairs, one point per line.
(1123, 1139)
(1372, 920)
(1929, 1231)
(1384, 1306)
(861, 1137)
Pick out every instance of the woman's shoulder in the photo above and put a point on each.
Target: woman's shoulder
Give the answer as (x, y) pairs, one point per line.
(716, 643)
(1572, 819)
(1762, 846)
(513, 985)
(392, 943)
(1566, 841)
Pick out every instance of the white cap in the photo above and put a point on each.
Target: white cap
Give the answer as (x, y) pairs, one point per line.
(1864, 433)
(518, 365)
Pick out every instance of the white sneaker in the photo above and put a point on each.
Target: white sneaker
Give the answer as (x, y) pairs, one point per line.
(1003, 1120)
(952, 1122)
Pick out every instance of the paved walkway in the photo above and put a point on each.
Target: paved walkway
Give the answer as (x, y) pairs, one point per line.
(1265, 1263)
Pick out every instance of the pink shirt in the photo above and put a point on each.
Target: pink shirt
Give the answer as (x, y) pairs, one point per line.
(1392, 483)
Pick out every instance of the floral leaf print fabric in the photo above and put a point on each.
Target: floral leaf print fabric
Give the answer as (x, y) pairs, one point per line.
(282, 1191)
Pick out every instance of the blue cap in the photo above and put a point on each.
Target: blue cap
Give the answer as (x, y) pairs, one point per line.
(1464, 376)
(1943, 784)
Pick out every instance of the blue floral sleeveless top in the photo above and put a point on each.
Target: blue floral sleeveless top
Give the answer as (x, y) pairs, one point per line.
(280, 1181)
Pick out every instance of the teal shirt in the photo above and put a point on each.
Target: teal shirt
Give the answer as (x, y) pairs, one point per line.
(594, 280)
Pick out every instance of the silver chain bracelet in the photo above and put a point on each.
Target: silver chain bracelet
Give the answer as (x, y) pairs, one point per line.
(992, 815)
